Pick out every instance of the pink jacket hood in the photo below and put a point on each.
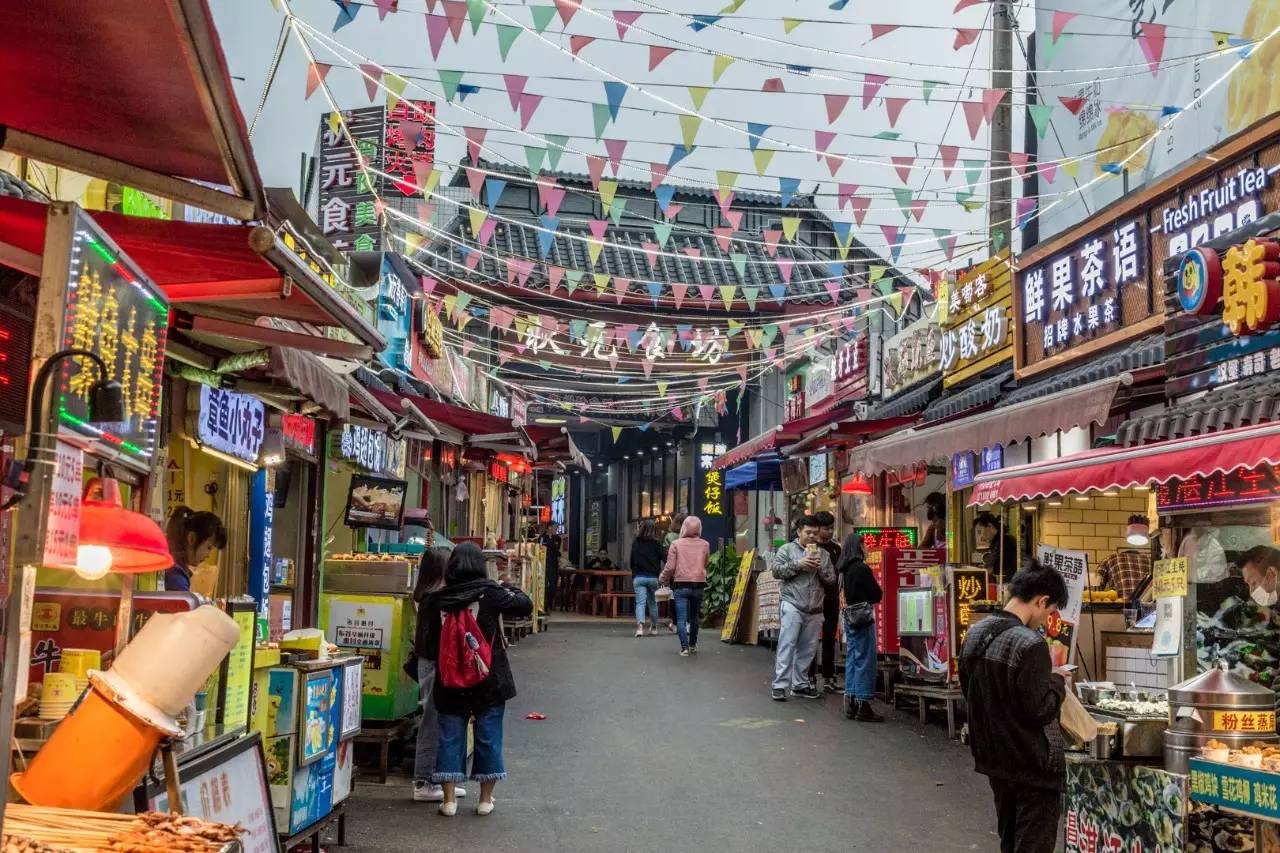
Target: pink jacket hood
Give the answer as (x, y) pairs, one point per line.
(687, 556)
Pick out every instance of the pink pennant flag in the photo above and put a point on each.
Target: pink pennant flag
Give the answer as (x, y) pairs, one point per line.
(1074, 105)
(878, 30)
(428, 284)
(595, 168)
(657, 174)
(528, 104)
(844, 193)
(551, 195)
(421, 173)
(523, 268)
(615, 147)
(833, 290)
(734, 218)
(455, 12)
(657, 53)
(515, 88)
(437, 26)
(486, 231)
(903, 167)
(410, 134)
(1151, 39)
(583, 419)
(991, 99)
(965, 37)
(677, 413)
(471, 261)
(467, 345)
(784, 268)
(567, 9)
(848, 321)
(677, 293)
(894, 107)
(624, 20)
(948, 244)
(651, 253)
(504, 355)
(316, 72)
(1019, 160)
(741, 370)
(724, 236)
(475, 180)
(577, 43)
(892, 234)
(598, 228)
(555, 275)
(372, 76)
(724, 199)
(1049, 170)
(672, 211)
(1060, 21)
(773, 84)
(703, 382)
(965, 4)
(917, 208)
(822, 140)
(620, 286)
(834, 162)
(647, 366)
(692, 252)
(500, 318)
(708, 292)
(475, 141)
(973, 115)
(871, 84)
(771, 236)
(948, 153)
(835, 106)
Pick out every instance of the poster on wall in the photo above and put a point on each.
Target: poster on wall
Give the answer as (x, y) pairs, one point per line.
(1099, 123)
(319, 699)
(1060, 630)
(62, 529)
(352, 681)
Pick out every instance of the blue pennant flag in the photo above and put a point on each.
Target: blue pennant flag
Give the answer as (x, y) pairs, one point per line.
(1169, 111)
(623, 380)
(787, 187)
(547, 239)
(800, 69)
(493, 188)
(577, 329)
(1244, 44)
(683, 330)
(755, 129)
(614, 91)
(465, 89)
(633, 338)
(643, 427)
(839, 5)
(701, 22)
(655, 290)
(678, 153)
(777, 291)
(1112, 168)
(664, 193)
(347, 12)
(842, 230)
(835, 269)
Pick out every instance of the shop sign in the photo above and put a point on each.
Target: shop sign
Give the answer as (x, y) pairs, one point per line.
(1202, 216)
(348, 193)
(708, 452)
(977, 334)
(62, 528)
(817, 469)
(409, 146)
(1222, 488)
(299, 433)
(991, 459)
(499, 472)
(230, 422)
(962, 469)
(558, 489)
(910, 357)
(395, 317)
(879, 538)
(111, 308)
(1235, 787)
(1060, 630)
(794, 408)
(519, 411)
(261, 536)
(713, 493)
(1079, 294)
(969, 585)
(820, 383)
(432, 330)
(372, 449)
(1246, 281)
(499, 404)
(850, 360)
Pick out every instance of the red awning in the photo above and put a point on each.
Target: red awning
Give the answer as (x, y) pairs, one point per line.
(846, 434)
(788, 432)
(1120, 468)
(141, 83)
(197, 265)
(467, 421)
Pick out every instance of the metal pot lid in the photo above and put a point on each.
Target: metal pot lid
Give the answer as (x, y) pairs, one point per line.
(1220, 687)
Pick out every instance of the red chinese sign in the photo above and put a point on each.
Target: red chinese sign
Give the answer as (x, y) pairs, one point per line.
(409, 149)
(1224, 488)
(879, 538)
(299, 432)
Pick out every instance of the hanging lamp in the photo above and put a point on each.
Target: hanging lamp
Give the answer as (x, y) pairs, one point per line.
(856, 485)
(115, 539)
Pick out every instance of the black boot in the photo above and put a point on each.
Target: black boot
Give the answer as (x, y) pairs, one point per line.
(867, 714)
(851, 708)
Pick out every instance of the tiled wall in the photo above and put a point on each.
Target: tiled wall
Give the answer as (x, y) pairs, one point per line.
(1096, 526)
(1136, 667)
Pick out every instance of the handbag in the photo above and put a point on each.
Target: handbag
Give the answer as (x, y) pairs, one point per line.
(859, 616)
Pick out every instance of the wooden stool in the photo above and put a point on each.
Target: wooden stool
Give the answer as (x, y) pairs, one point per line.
(948, 696)
(585, 602)
(384, 734)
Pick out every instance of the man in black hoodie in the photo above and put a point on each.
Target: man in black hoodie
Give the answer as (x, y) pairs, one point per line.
(1014, 695)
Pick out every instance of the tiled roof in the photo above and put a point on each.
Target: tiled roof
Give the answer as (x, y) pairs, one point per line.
(957, 402)
(15, 187)
(1144, 352)
(1253, 401)
(907, 402)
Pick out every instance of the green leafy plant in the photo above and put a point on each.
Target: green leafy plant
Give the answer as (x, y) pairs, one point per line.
(722, 574)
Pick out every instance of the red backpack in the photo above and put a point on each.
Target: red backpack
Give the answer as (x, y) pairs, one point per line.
(465, 654)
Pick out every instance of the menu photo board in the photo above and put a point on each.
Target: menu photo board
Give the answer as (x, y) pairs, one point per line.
(973, 320)
(108, 306)
(235, 682)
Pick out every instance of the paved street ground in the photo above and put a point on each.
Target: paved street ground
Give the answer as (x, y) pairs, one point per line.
(643, 750)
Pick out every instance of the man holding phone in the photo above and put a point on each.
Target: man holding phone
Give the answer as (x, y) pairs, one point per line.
(803, 568)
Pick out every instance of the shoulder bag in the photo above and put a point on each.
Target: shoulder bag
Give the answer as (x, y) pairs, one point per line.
(860, 615)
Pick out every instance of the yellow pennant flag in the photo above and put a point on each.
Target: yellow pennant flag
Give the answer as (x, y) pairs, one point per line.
(876, 272)
(478, 216)
(718, 67)
(464, 317)
(698, 94)
(763, 157)
(335, 122)
(1221, 40)
(1072, 168)
(593, 250)
(790, 225)
(433, 181)
(608, 189)
(395, 88)
(689, 125)
(734, 5)
(734, 326)
(844, 252)
(726, 295)
(413, 242)
(662, 388)
(602, 281)
(450, 302)
(617, 431)
(895, 302)
(789, 24)
(725, 179)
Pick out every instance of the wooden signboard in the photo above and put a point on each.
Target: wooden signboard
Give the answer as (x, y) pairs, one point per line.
(974, 321)
(734, 613)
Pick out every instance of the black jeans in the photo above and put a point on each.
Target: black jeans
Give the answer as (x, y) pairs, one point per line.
(1026, 817)
(830, 618)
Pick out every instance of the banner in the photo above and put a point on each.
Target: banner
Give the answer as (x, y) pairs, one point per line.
(1060, 631)
(1109, 79)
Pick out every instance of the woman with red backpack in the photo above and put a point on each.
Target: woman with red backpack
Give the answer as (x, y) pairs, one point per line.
(473, 678)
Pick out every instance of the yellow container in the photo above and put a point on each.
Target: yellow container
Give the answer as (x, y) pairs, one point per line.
(78, 662)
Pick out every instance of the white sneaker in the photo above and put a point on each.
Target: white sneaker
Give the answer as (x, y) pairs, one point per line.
(484, 807)
(449, 809)
(640, 632)
(425, 792)
(459, 791)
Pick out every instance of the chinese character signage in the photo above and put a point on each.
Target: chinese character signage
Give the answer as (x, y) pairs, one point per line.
(794, 408)
(1235, 787)
(112, 309)
(911, 356)
(299, 433)
(973, 320)
(817, 469)
(62, 530)
(409, 146)
(372, 449)
(879, 538)
(1245, 281)
(962, 469)
(1083, 292)
(968, 586)
(1222, 488)
(991, 459)
(231, 423)
(1060, 629)
(712, 493)
(396, 308)
(348, 211)
(1169, 578)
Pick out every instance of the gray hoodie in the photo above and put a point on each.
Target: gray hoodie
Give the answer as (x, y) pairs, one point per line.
(800, 588)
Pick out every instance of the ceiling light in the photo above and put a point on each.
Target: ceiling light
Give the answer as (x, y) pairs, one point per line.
(1030, 507)
(1138, 533)
(1055, 503)
(1084, 499)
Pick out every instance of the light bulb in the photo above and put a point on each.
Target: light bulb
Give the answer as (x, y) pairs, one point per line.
(93, 561)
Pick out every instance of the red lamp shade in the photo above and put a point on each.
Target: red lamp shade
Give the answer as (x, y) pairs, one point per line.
(856, 485)
(137, 543)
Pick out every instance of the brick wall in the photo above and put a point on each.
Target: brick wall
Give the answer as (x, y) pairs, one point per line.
(1095, 526)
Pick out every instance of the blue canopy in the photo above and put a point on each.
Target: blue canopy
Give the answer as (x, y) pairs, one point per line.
(762, 474)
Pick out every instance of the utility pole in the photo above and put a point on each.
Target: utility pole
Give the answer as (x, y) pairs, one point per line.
(1000, 206)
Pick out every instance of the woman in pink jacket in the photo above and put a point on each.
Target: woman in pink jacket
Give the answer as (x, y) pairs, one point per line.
(686, 573)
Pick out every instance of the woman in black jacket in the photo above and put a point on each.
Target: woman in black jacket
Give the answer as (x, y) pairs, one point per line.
(646, 564)
(431, 569)
(858, 585)
(467, 585)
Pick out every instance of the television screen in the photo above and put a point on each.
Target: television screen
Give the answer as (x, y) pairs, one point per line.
(375, 502)
(915, 612)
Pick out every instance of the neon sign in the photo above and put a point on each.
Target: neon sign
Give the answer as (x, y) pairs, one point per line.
(879, 538)
(1215, 211)
(1241, 486)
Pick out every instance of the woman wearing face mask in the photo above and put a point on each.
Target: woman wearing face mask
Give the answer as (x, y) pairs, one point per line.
(1261, 569)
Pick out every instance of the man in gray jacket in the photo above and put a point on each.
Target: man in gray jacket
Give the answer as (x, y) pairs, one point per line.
(802, 567)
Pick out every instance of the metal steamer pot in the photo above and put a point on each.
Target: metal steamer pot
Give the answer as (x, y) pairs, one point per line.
(1216, 705)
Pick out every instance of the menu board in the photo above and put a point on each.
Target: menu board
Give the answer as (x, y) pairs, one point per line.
(352, 690)
(237, 670)
(320, 718)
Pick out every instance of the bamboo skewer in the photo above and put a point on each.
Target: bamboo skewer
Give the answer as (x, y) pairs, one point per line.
(78, 831)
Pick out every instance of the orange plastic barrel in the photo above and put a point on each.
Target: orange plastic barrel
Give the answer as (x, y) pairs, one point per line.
(93, 760)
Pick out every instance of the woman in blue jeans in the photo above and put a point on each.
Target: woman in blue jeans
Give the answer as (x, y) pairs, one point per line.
(858, 585)
(646, 565)
(430, 580)
(467, 585)
(686, 571)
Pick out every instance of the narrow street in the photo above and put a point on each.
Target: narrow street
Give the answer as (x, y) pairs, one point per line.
(645, 750)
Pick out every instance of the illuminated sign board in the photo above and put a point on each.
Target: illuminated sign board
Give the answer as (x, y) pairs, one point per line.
(299, 432)
(409, 145)
(910, 356)
(114, 310)
(975, 330)
(372, 449)
(879, 538)
(1213, 211)
(348, 209)
(962, 468)
(231, 423)
(1240, 486)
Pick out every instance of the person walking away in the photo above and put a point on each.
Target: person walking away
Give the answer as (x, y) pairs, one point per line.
(858, 586)
(673, 533)
(469, 593)
(802, 567)
(431, 568)
(646, 565)
(1014, 695)
(551, 540)
(192, 538)
(830, 603)
(686, 573)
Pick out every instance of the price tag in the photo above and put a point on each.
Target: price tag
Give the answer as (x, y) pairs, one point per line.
(1169, 578)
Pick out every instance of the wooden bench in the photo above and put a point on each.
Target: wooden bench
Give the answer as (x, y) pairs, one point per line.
(608, 603)
(948, 696)
(585, 602)
(383, 734)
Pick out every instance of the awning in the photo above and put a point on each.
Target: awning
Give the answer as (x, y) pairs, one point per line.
(1080, 407)
(1121, 468)
(133, 91)
(1144, 355)
(761, 474)
(845, 434)
(219, 267)
(467, 421)
(788, 432)
(312, 378)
